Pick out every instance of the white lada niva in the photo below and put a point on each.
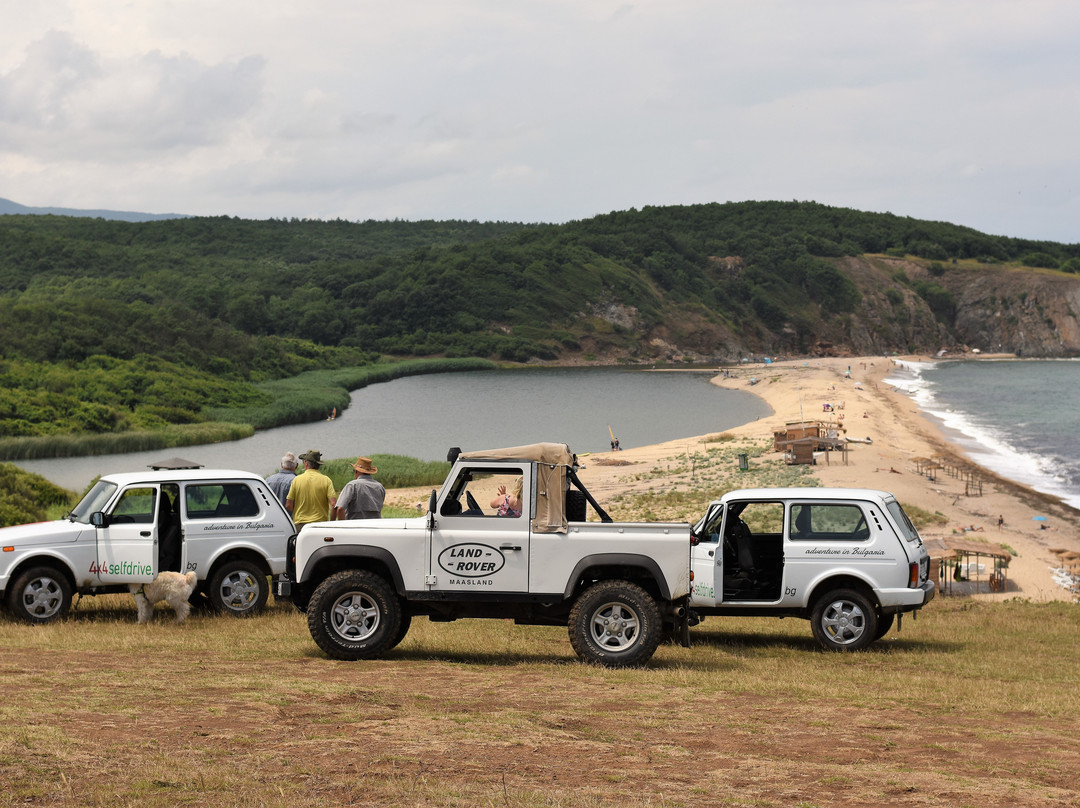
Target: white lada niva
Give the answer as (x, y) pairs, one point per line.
(226, 526)
(847, 559)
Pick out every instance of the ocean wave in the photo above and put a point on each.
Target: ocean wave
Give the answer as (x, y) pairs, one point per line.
(996, 447)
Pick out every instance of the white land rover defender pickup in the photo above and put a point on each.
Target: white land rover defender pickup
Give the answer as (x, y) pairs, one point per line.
(226, 526)
(847, 559)
(615, 585)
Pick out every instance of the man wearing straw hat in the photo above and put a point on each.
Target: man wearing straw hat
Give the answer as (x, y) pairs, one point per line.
(311, 496)
(362, 497)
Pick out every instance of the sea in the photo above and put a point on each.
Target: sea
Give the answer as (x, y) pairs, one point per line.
(1016, 417)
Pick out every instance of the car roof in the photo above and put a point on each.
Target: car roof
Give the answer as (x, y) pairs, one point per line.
(807, 493)
(179, 475)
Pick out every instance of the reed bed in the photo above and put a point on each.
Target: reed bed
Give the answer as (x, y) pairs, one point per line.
(41, 447)
(311, 396)
(395, 471)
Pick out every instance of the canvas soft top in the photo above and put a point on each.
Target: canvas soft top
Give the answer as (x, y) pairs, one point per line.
(553, 460)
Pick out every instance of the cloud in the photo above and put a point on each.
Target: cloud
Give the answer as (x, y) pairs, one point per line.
(66, 102)
(545, 111)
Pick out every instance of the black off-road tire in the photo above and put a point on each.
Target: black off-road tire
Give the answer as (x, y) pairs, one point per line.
(844, 620)
(238, 588)
(354, 614)
(615, 624)
(575, 506)
(885, 623)
(403, 627)
(40, 595)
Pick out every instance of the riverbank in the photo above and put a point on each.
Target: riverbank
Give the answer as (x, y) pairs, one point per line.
(902, 435)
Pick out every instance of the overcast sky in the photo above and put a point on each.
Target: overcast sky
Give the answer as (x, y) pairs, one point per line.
(966, 111)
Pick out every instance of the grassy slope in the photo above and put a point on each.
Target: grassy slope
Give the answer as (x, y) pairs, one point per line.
(972, 705)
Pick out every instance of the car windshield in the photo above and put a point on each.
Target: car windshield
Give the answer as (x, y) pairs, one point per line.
(94, 500)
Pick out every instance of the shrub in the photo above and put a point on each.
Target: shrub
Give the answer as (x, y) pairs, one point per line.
(26, 497)
(940, 300)
(1040, 259)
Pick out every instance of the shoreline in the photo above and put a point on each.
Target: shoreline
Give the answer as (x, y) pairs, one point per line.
(903, 435)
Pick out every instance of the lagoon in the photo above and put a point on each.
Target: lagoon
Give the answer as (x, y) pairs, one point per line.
(423, 416)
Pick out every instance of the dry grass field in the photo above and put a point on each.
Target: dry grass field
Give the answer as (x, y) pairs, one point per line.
(972, 705)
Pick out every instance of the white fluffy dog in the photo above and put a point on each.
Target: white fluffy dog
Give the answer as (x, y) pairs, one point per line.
(172, 587)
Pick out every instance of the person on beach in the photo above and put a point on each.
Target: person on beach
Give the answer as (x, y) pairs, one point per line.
(363, 496)
(281, 482)
(311, 496)
(508, 504)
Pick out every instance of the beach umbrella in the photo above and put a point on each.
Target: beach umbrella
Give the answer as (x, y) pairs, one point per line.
(1038, 519)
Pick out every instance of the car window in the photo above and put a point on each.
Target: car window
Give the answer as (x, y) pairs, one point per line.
(828, 522)
(219, 500)
(906, 527)
(135, 505)
(708, 528)
(485, 492)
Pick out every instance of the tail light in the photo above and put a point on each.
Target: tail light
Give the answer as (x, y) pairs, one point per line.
(913, 575)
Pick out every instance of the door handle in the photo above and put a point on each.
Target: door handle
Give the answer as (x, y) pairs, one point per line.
(509, 546)
(145, 533)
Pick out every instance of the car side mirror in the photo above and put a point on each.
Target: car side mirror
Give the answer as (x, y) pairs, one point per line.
(431, 510)
(98, 519)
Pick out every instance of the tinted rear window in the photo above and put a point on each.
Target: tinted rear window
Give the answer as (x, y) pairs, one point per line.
(220, 500)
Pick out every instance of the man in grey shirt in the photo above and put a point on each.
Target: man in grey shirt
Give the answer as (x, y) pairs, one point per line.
(362, 497)
(279, 483)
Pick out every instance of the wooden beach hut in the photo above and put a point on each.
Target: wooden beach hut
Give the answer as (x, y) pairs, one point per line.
(804, 451)
(801, 440)
(795, 430)
(965, 567)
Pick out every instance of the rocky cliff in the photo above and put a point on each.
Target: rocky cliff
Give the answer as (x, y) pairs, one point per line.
(995, 309)
(906, 306)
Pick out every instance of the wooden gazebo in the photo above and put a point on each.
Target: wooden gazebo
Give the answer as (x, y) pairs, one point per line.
(965, 567)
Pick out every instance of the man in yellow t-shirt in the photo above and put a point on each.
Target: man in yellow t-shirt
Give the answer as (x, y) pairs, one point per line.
(311, 496)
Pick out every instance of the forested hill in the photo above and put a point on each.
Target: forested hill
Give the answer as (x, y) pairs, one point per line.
(212, 305)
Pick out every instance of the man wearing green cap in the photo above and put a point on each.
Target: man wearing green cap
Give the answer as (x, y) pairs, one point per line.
(311, 496)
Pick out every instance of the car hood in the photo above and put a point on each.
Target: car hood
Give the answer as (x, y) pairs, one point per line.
(39, 533)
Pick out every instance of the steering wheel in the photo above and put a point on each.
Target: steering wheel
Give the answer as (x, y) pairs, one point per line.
(471, 501)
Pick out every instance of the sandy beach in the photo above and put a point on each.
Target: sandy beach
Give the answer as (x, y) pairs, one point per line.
(901, 436)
